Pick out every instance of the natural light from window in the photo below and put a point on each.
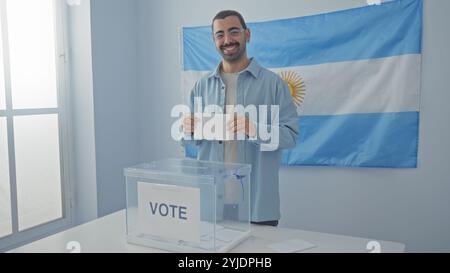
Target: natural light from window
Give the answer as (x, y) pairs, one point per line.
(31, 33)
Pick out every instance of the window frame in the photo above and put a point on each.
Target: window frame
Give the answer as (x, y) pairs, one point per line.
(17, 238)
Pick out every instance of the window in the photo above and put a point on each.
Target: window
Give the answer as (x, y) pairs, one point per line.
(2, 74)
(5, 199)
(34, 191)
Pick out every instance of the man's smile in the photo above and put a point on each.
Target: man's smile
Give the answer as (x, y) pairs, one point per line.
(230, 49)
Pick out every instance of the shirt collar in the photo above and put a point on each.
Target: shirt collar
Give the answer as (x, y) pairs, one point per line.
(253, 68)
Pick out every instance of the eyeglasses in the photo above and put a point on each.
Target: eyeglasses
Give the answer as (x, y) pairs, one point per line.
(235, 32)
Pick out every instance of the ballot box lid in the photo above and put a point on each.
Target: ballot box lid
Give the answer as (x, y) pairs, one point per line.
(185, 166)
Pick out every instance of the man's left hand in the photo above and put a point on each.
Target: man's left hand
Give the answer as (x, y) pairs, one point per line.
(242, 124)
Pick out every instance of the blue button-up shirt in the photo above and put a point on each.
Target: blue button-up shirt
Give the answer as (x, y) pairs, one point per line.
(255, 86)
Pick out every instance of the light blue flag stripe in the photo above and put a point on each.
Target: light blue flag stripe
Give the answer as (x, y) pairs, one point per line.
(390, 29)
(357, 140)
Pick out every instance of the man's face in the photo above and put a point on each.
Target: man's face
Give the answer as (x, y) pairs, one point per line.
(230, 38)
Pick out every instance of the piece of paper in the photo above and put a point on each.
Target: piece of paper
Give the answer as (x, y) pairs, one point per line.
(290, 246)
(213, 127)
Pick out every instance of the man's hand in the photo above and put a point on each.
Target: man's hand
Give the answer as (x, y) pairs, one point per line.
(189, 122)
(241, 124)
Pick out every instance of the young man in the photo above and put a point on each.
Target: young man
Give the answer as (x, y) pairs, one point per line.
(239, 80)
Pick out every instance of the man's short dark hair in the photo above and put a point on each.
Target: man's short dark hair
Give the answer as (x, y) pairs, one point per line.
(225, 13)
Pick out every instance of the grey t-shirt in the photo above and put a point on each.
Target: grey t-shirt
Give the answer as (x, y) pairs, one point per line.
(230, 147)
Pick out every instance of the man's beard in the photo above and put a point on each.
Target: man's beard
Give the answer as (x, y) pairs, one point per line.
(233, 57)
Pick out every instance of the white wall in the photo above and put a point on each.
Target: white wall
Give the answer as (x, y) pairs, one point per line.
(410, 206)
(102, 37)
(114, 52)
(83, 169)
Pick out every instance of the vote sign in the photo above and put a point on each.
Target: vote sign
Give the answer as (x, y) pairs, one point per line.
(169, 211)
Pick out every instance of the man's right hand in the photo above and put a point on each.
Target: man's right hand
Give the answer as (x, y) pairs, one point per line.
(189, 122)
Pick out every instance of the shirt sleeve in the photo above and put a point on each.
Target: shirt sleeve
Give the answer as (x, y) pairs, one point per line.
(287, 124)
(189, 139)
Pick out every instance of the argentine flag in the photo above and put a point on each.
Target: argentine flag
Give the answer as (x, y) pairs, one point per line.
(354, 76)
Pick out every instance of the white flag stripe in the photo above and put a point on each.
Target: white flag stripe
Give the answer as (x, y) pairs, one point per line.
(370, 86)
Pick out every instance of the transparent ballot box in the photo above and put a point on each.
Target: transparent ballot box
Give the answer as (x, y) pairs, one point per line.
(187, 205)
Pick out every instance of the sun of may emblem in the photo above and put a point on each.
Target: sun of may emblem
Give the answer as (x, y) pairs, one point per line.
(296, 86)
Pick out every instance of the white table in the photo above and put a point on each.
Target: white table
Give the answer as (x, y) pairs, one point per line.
(107, 234)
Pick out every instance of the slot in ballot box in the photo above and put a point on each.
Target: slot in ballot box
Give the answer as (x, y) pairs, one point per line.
(187, 205)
